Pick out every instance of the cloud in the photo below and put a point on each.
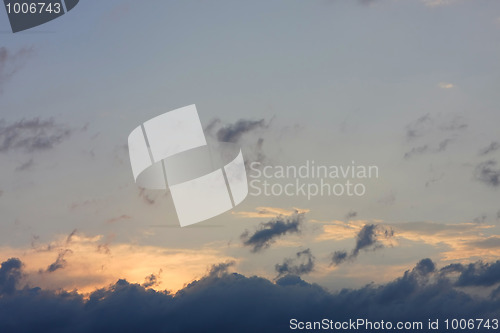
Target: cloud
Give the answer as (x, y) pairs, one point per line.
(270, 212)
(339, 257)
(420, 293)
(26, 165)
(303, 263)
(152, 280)
(10, 274)
(436, 129)
(367, 238)
(118, 218)
(446, 85)
(11, 63)
(268, 232)
(454, 241)
(487, 173)
(79, 261)
(479, 274)
(416, 151)
(419, 127)
(59, 263)
(494, 146)
(350, 215)
(233, 132)
(31, 135)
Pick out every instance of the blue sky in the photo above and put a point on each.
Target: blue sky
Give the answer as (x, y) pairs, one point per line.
(409, 86)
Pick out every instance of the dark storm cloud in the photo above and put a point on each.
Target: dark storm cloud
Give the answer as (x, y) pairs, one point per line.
(10, 275)
(11, 63)
(268, 232)
(31, 135)
(480, 274)
(488, 173)
(231, 302)
(303, 263)
(233, 132)
(366, 239)
(494, 146)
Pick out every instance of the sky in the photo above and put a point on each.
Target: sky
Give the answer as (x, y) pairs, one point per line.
(407, 86)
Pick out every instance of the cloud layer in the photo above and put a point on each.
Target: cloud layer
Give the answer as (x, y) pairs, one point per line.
(230, 302)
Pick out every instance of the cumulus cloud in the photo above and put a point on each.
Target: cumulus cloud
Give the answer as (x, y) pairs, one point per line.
(303, 263)
(268, 232)
(11, 63)
(31, 135)
(366, 239)
(419, 294)
(10, 275)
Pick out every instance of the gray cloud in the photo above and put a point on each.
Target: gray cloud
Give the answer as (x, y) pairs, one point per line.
(31, 135)
(494, 146)
(480, 219)
(433, 128)
(233, 132)
(487, 173)
(303, 263)
(26, 165)
(419, 127)
(152, 280)
(60, 262)
(416, 151)
(10, 275)
(11, 63)
(366, 239)
(350, 215)
(268, 232)
(419, 294)
(339, 257)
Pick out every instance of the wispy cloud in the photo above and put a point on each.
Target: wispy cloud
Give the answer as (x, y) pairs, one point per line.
(446, 85)
(31, 135)
(270, 212)
(11, 63)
